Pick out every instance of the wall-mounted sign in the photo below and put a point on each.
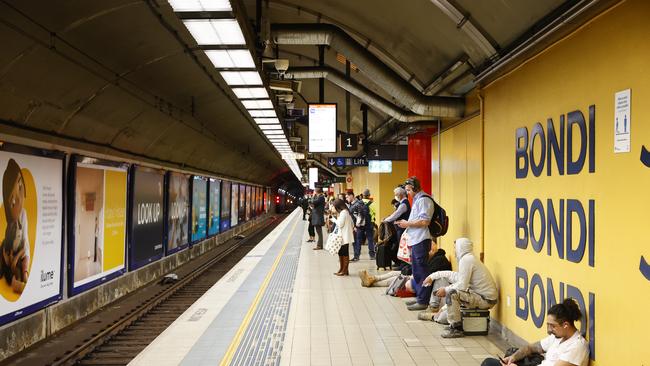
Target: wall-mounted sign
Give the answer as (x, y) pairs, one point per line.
(341, 161)
(147, 224)
(622, 121)
(380, 166)
(322, 128)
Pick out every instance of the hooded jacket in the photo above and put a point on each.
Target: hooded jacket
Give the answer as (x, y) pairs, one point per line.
(472, 274)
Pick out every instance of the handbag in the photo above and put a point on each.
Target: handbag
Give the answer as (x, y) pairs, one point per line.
(404, 252)
(334, 242)
(398, 283)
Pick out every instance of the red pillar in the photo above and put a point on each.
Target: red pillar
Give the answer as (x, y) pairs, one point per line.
(419, 163)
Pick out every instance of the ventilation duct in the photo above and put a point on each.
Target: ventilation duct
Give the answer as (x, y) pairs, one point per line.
(356, 89)
(369, 64)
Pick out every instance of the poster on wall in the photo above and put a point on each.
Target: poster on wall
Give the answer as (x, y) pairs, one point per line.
(178, 207)
(242, 203)
(266, 202)
(199, 208)
(147, 224)
(31, 224)
(234, 206)
(260, 203)
(97, 222)
(249, 207)
(225, 205)
(215, 205)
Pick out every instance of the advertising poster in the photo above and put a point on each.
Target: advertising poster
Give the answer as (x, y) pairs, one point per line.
(199, 208)
(178, 206)
(98, 226)
(260, 200)
(266, 202)
(215, 205)
(234, 207)
(242, 203)
(31, 221)
(249, 205)
(146, 239)
(225, 205)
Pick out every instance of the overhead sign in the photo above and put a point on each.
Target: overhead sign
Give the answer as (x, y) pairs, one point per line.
(322, 128)
(380, 166)
(349, 142)
(313, 177)
(341, 161)
(388, 152)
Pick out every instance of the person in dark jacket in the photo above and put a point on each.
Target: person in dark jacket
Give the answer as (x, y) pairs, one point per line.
(304, 203)
(318, 216)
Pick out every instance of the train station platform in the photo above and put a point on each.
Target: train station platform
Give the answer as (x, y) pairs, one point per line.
(281, 305)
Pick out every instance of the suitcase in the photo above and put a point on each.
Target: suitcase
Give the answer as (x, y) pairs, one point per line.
(383, 257)
(475, 321)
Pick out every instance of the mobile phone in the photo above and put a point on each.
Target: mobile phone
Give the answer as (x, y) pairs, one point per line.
(501, 359)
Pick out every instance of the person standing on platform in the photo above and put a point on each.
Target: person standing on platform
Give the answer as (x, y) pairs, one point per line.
(368, 231)
(304, 203)
(401, 213)
(318, 216)
(418, 240)
(356, 209)
(345, 226)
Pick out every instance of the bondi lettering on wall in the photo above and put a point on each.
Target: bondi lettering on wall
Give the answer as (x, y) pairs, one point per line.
(146, 239)
(562, 228)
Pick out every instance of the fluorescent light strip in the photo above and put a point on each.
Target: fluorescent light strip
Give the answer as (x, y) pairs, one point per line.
(262, 113)
(244, 93)
(215, 31)
(267, 121)
(241, 77)
(231, 58)
(257, 104)
(200, 5)
(270, 127)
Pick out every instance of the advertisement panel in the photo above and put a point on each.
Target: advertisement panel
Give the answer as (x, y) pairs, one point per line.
(234, 207)
(225, 205)
(249, 203)
(242, 203)
(31, 224)
(266, 202)
(146, 228)
(97, 229)
(322, 128)
(213, 210)
(199, 208)
(178, 208)
(260, 200)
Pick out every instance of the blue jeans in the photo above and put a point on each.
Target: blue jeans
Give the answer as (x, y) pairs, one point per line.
(419, 258)
(367, 233)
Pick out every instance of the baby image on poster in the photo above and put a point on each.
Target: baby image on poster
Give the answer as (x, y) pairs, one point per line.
(15, 261)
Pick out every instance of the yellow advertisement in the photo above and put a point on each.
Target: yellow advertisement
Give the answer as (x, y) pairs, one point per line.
(114, 219)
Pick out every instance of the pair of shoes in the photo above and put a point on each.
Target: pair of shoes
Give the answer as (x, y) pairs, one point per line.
(453, 333)
(355, 259)
(411, 301)
(317, 248)
(366, 279)
(372, 257)
(416, 306)
(428, 314)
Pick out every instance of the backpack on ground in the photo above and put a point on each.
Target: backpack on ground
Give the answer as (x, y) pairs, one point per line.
(439, 221)
(398, 283)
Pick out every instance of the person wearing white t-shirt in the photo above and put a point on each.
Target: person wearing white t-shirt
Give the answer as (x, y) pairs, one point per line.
(564, 346)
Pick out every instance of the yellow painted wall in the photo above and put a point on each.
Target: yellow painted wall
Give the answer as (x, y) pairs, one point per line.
(609, 54)
(381, 185)
(456, 182)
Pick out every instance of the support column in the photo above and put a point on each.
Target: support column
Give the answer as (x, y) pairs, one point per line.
(419, 163)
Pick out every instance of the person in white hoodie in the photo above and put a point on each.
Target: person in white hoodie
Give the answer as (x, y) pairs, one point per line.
(472, 286)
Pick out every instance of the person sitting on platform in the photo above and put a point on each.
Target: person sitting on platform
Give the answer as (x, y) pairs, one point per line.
(472, 285)
(564, 346)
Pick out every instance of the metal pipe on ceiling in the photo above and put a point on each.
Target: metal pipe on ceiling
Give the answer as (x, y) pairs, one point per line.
(369, 64)
(357, 89)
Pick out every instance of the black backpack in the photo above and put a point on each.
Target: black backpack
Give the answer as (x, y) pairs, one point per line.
(440, 221)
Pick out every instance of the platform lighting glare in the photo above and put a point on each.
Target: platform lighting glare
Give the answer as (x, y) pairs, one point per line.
(215, 31)
(241, 77)
(231, 58)
(200, 5)
(257, 104)
(262, 113)
(274, 133)
(267, 121)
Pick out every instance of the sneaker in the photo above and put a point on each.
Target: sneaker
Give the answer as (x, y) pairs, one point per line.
(428, 314)
(416, 306)
(453, 333)
(355, 259)
(411, 301)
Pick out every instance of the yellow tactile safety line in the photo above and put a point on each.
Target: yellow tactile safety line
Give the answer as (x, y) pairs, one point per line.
(227, 358)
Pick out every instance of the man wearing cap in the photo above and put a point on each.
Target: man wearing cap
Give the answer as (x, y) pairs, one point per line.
(369, 231)
(419, 240)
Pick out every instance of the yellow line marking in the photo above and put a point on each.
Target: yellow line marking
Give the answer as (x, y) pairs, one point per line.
(230, 353)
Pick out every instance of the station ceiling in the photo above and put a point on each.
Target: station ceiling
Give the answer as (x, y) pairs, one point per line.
(125, 77)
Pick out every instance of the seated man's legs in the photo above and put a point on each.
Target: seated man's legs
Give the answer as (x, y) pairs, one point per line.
(434, 303)
(384, 280)
(453, 300)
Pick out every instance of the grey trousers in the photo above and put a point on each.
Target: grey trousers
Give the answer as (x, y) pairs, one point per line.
(470, 300)
(435, 300)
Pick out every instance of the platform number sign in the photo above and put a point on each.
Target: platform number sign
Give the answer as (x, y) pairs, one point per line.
(349, 142)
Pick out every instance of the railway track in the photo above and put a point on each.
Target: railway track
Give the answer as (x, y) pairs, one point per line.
(124, 338)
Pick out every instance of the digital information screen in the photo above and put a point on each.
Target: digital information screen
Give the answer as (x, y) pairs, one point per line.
(322, 128)
(380, 166)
